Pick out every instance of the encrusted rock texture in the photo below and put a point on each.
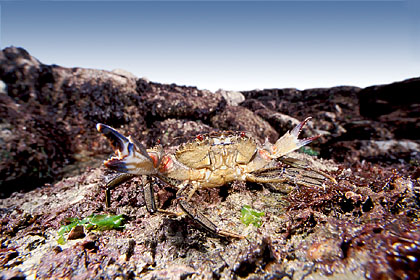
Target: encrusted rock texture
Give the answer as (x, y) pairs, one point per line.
(363, 226)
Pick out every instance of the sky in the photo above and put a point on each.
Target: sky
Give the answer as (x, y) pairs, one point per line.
(235, 45)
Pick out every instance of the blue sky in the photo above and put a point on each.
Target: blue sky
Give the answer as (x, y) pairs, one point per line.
(231, 45)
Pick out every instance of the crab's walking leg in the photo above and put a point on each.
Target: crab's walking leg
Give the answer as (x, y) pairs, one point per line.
(114, 182)
(149, 197)
(182, 188)
(300, 176)
(148, 193)
(192, 191)
(326, 175)
(301, 164)
(204, 221)
(264, 179)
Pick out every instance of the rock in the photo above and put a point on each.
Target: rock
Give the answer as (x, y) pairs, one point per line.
(173, 132)
(51, 112)
(302, 104)
(365, 130)
(174, 272)
(396, 104)
(76, 233)
(125, 73)
(34, 146)
(367, 221)
(278, 120)
(381, 100)
(379, 151)
(330, 109)
(3, 87)
(143, 85)
(12, 275)
(233, 98)
(172, 101)
(403, 127)
(7, 255)
(326, 251)
(237, 118)
(284, 123)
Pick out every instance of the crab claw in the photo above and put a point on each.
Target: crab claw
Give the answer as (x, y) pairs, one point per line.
(296, 131)
(289, 142)
(130, 156)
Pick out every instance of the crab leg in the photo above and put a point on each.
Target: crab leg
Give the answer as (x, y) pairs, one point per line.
(149, 197)
(301, 164)
(196, 186)
(305, 177)
(148, 192)
(204, 221)
(264, 179)
(114, 182)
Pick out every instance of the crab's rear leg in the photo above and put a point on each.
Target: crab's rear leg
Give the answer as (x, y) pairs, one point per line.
(184, 194)
(299, 176)
(264, 179)
(205, 222)
(301, 164)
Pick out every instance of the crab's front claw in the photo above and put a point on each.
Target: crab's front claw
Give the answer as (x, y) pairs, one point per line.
(296, 131)
(118, 141)
(289, 142)
(130, 156)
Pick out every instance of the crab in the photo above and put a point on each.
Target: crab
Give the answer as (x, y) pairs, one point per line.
(209, 161)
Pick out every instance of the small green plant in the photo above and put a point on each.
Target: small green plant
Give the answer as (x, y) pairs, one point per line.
(308, 151)
(92, 222)
(251, 216)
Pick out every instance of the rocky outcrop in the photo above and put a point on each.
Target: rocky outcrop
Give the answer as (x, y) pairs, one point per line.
(364, 225)
(396, 105)
(351, 118)
(49, 113)
(48, 116)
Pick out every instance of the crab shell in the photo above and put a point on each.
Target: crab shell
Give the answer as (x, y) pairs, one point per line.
(208, 161)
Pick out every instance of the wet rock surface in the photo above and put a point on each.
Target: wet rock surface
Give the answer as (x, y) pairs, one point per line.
(366, 225)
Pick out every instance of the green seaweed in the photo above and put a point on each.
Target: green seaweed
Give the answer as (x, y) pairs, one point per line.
(308, 151)
(92, 222)
(251, 216)
(105, 222)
